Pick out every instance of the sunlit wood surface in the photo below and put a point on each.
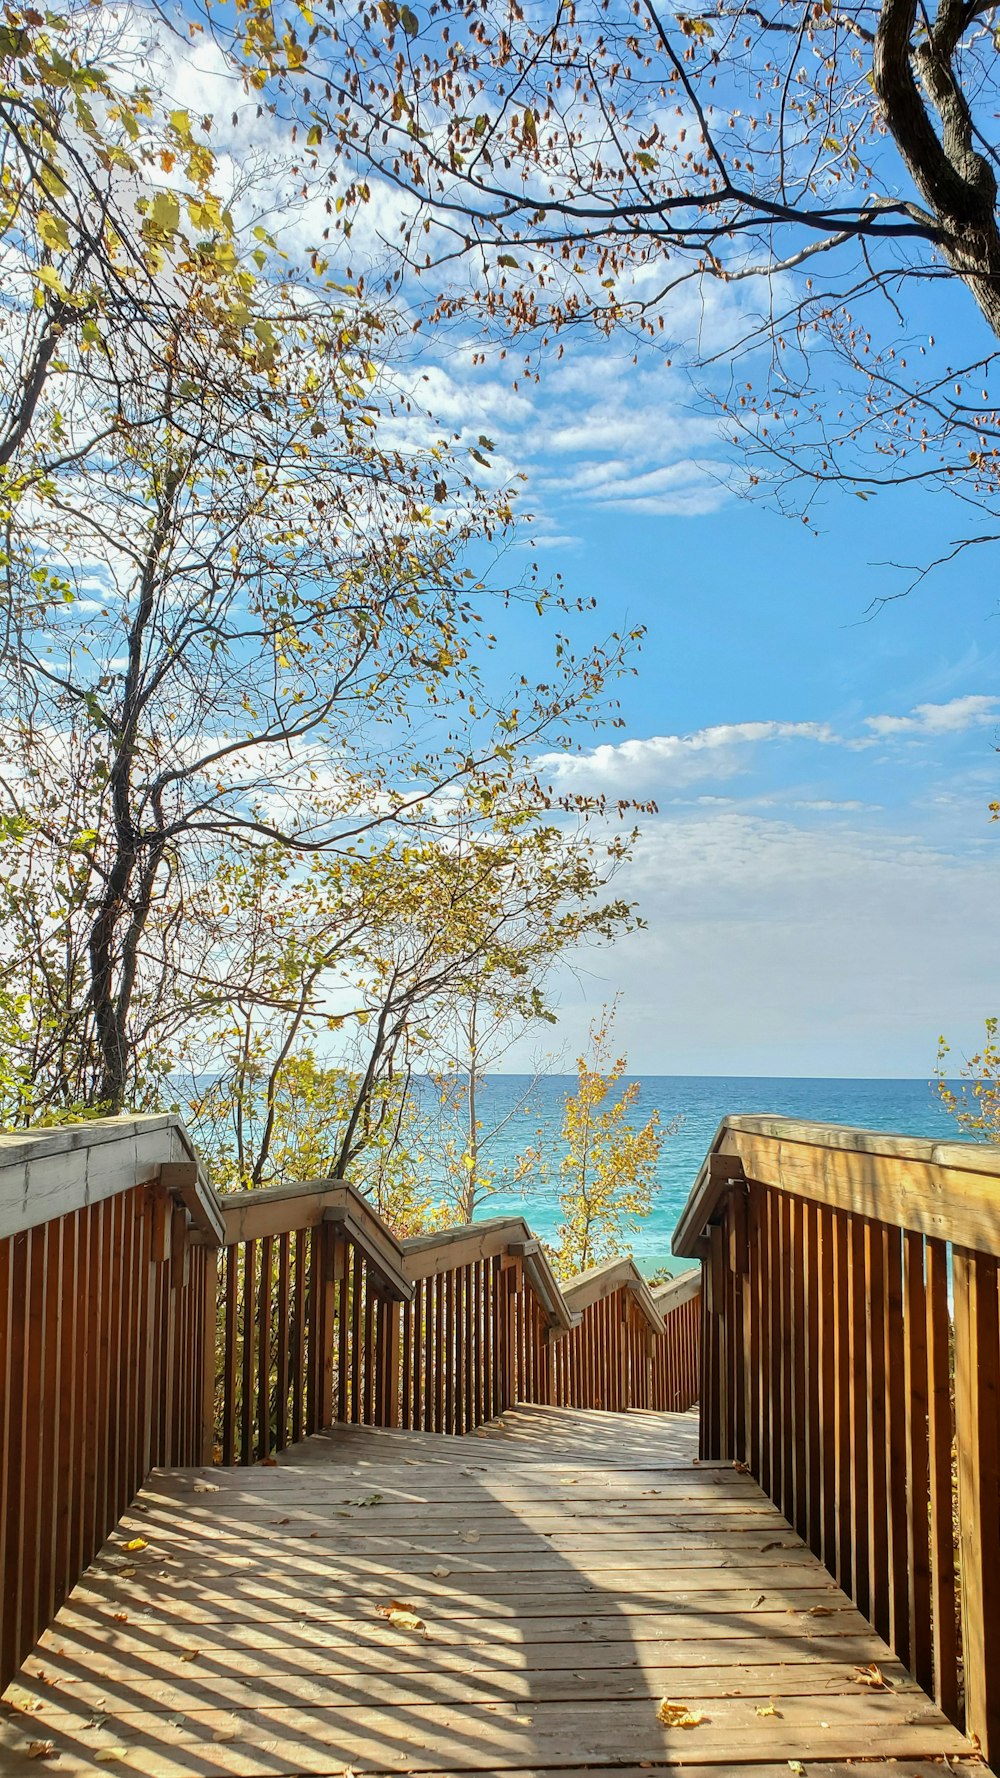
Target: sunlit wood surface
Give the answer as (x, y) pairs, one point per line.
(552, 1580)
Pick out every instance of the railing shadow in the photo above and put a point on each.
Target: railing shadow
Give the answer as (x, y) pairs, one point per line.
(253, 1631)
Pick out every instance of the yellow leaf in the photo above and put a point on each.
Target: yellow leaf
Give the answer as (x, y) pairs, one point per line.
(678, 1716)
(106, 1756)
(766, 1709)
(136, 1543)
(165, 212)
(190, 1654)
(402, 1616)
(53, 232)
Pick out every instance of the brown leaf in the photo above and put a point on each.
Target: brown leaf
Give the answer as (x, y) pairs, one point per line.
(269, 1462)
(120, 1617)
(190, 1654)
(678, 1716)
(872, 1676)
(41, 1750)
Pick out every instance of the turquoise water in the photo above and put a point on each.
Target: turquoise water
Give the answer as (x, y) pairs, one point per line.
(905, 1107)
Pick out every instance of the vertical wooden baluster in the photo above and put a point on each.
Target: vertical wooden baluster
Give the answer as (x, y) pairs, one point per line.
(896, 1442)
(449, 1350)
(798, 1256)
(977, 1437)
(407, 1366)
(827, 1384)
(439, 1354)
(368, 1410)
(471, 1348)
(299, 1337)
(231, 1258)
(917, 1468)
(263, 1334)
(393, 1359)
(940, 1436)
(357, 1352)
(248, 1323)
(209, 1356)
(68, 1407)
(843, 1419)
(417, 1355)
(878, 1489)
(811, 1323)
(376, 1346)
(489, 1341)
(858, 1413)
(762, 1315)
(283, 1331)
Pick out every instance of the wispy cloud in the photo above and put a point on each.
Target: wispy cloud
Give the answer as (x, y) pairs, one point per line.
(725, 749)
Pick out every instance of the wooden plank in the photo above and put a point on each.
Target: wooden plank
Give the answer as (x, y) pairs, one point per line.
(917, 1465)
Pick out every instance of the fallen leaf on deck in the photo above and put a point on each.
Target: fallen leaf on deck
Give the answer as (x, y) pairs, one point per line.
(19, 1699)
(402, 1616)
(126, 1573)
(471, 1536)
(269, 1462)
(767, 1709)
(206, 1487)
(758, 1601)
(820, 1611)
(42, 1750)
(136, 1543)
(367, 1500)
(742, 1468)
(281, 1521)
(795, 1765)
(224, 1734)
(106, 1756)
(873, 1676)
(440, 1573)
(191, 1654)
(120, 1617)
(678, 1716)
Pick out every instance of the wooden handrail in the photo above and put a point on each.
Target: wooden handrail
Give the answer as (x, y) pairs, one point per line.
(851, 1358)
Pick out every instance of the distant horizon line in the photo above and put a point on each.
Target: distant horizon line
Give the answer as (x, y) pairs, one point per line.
(639, 1074)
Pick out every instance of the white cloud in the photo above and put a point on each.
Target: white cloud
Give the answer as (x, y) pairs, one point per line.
(725, 749)
(951, 718)
(717, 752)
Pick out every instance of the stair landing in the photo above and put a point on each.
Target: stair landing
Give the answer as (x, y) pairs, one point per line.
(520, 1600)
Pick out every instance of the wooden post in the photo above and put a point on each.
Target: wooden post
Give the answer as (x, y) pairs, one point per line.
(977, 1428)
(210, 1313)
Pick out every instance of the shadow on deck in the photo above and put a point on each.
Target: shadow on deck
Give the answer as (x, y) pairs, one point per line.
(569, 1570)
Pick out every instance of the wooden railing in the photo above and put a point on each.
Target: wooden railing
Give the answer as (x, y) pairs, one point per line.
(103, 1345)
(324, 1317)
(146, 1321)
(851, 1358)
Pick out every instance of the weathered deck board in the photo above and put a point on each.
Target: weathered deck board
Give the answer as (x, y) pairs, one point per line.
(571, 1572)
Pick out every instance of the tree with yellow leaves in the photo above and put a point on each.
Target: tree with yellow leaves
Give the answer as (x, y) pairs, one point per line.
(608, 1172)
(976, 1103)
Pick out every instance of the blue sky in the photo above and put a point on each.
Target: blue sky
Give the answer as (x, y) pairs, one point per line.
(820, 882)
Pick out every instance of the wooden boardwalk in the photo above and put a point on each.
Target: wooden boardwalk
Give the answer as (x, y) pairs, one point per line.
(520, 1600)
